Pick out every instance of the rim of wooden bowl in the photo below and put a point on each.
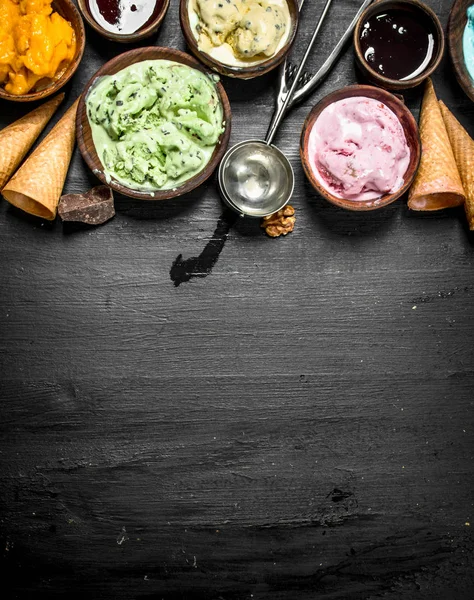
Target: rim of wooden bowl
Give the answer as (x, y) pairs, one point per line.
(84, 134)
(68, 10)
(124, 38)
(386, 82)
(410, 128)
(456, 24)
(239, 72)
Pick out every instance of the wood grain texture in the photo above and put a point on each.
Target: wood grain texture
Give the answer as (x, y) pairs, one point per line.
(296, 424)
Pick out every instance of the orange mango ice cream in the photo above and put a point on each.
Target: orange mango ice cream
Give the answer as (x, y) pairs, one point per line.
(35, 44)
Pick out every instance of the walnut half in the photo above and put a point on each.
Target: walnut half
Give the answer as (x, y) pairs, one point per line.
(279, 223)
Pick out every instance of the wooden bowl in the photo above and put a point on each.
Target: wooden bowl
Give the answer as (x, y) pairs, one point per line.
(125, 38)
(239, 72)
(84, 133)
(66, 9)
(456, 24)
(411, 133)
(414, 6)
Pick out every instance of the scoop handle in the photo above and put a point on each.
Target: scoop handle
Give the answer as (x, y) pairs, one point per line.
(306, 89)
(331, 59)
(289, 96)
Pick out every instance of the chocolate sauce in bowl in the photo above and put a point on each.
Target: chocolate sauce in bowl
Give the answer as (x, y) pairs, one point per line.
(124, 16)
(398, 44)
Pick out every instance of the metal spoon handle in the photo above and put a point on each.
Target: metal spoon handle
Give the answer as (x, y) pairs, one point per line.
(289, 96)
(306, 88)
(331, 59)
(283, 86)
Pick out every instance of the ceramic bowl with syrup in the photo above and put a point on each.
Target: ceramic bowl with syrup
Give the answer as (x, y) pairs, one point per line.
(398, 43)
(124, 22)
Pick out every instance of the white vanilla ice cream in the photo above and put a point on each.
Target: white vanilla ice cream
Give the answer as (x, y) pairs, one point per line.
(240, 32)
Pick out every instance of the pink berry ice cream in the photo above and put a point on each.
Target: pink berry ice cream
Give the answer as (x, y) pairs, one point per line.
(357, 149)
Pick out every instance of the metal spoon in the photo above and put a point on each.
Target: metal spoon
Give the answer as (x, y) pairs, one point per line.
(309, 82)
(255, 177)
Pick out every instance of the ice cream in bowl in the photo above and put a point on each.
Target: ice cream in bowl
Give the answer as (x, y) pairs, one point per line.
(360, 147)
(41, 46)
(153, 123)
(239, 38)
(461, 43)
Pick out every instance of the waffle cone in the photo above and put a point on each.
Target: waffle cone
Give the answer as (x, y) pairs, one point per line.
(463, 148)
(37, 185)
(437, 183)
(17, 138)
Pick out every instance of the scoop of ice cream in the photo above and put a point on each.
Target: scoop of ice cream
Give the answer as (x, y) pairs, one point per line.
(358, 149)
(239, 32)
(219, 17)
(259, 31)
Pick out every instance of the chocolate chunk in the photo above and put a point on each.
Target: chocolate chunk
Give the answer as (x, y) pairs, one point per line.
(94, 207)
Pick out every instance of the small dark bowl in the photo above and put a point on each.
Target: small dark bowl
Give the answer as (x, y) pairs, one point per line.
(84, 133)
(457, 23)
(239, 72)
(126, 38)
(413, 6)
(68, 11)
(411, 133)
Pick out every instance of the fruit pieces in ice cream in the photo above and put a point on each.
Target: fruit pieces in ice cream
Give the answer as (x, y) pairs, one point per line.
(154, 124)
(357, 149)
(240, 32)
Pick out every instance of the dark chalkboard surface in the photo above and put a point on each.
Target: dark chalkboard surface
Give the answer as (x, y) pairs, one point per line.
(190, 409)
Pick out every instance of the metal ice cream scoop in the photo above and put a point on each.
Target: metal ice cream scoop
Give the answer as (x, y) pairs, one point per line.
(255, 177)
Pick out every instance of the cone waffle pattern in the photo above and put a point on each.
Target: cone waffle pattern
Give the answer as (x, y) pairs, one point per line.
(17, 138)
(463, 148)
(437, 183)
(37, 186)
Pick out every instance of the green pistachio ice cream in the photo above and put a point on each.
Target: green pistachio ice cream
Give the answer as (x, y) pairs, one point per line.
(154, 124)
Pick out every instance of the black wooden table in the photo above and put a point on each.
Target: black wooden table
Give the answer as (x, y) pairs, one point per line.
(190, 409)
